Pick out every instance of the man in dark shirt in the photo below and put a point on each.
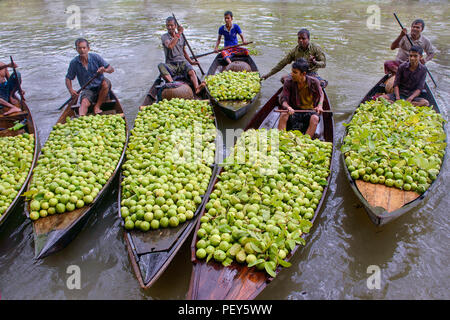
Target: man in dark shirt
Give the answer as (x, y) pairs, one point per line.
(85, 66)
(410, 80)
(301, 91)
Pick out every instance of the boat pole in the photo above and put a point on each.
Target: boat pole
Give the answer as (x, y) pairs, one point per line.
(189, 46)
(18, 83)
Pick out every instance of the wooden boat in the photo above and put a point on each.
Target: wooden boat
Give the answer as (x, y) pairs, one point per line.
(382, 203)
(213, 281)
(234, 109)
(151, 252)
(55, 232)
(7, 122)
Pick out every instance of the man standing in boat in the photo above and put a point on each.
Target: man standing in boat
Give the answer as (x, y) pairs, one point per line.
(85, 66)
(230, 31)
(8, 87)
(178, 62)
(304, 92)
(403, 45)
(410, 80)
(307, 50)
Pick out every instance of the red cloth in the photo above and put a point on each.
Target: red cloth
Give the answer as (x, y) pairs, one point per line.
(391, 66)
(229, 53)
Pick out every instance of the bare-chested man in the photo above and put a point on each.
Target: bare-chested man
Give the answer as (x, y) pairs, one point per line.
(8, 87)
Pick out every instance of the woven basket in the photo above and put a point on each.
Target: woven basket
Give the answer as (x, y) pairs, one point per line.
(238, 66)
(184, 91)
(390, 85)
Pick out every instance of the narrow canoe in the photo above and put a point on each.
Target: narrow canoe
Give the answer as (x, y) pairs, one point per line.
(213, 281)
(234, 109)
(7, 122)
(384, 204)
(151, 252)
(53, 233)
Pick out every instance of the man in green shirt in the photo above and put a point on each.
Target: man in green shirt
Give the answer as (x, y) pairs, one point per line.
(306, 50)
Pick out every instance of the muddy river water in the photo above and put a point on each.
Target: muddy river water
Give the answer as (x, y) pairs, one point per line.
(411, 252)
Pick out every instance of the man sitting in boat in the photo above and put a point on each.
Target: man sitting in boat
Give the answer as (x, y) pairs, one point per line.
(403, 45)
(307, 50)
(230, 31)
(410, 80)
(85, 66)
(301, 91)
(178, 62)
(8, 87)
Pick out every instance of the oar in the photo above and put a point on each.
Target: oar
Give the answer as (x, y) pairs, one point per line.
(208, 53)
(79, 90)
(189, 46)
(312, 110)
(18, 82)
(410, 41)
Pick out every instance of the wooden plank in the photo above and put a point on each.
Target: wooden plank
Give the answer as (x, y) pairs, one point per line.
(57, 221)
(388, 198)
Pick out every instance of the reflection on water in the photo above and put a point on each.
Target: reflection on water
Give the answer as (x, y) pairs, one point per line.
(411, 251)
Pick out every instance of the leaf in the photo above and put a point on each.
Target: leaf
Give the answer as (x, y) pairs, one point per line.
(225, 228)
(209, 257)
(227, 262)
(300, 241)
(269, 270)
(254, 263)
(29, 194)
(305, 225)
(283, 263)
(401, 163)
(39, 196)
(290, 244)
(256, 246)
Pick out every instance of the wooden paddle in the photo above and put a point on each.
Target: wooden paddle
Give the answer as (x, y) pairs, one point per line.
(208, 53)
(189, 46)
(79, 90)
(18, 83)
(410, 41)
(312, 110)
(303, 111)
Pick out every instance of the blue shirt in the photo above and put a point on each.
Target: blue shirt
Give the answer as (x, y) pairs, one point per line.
(230, 37)
(76, 69)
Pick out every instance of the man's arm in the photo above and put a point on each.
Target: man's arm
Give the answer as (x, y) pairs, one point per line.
(192, 62)
(108, 69)
(419, 86)
(319, 58)
(72, 92)
(217, 43)
(286, 60)
(429, 57)
(9, 65)
(414, 95)
(170, 44)
(395, 44)
(242, 37)
(430, 51)
(284, 97)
